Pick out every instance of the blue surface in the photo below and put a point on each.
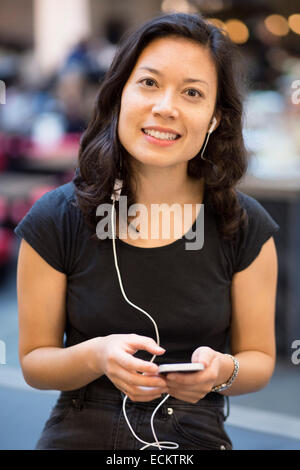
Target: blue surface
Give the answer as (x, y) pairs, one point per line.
(244, 439)
(22, 417)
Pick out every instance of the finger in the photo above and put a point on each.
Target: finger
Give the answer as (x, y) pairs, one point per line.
(145, 393)
(189, 379)
(161, 377)
(131, 363)
(135, 379)
(151, 381)
(145, 343)
(151, 391)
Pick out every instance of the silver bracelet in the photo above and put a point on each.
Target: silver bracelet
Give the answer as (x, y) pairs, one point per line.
(220, 388)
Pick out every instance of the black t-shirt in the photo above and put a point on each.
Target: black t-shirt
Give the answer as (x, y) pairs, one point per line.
(187, 292)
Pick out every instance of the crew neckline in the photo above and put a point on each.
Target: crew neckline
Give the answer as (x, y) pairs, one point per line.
(170, 246)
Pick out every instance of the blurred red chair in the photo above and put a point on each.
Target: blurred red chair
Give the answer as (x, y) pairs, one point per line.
(3, 161)
(7, 241)
(3, 154)
(3, 209)
(18, 209)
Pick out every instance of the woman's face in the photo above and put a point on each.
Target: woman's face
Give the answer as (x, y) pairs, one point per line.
(171, 90)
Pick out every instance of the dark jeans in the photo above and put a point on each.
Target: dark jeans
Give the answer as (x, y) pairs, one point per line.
(92, 418)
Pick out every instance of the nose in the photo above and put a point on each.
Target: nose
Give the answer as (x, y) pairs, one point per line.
(165, 106)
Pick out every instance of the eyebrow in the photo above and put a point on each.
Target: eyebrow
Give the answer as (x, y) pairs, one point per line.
(186, 80)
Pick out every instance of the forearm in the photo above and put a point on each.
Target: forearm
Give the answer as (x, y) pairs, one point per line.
(255, 371)
(54, 368)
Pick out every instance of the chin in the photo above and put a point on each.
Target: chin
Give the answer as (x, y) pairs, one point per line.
(156, 161)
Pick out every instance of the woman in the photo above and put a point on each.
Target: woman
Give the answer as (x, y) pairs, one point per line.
(168, 125)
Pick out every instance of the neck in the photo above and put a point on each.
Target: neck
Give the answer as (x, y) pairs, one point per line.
(167, 185)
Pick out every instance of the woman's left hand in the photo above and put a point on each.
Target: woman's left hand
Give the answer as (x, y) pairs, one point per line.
(193, 386)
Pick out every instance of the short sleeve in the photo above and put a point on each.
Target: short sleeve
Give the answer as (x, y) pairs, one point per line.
(50, 227)
(261, 226)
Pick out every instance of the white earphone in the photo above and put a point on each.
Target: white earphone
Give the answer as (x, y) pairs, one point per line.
(160, 444)
(213, 125)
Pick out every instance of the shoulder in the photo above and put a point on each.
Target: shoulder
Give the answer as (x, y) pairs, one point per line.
(258, 217)
(52, 227)
(64, 194)
(58, 202)
(252, 236)
(249, 203)
(54, 212)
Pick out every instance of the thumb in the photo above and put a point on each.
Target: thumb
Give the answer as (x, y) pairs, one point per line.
(203, 354)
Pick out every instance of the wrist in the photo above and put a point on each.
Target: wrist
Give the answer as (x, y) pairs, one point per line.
(94, 355)
(227, 372)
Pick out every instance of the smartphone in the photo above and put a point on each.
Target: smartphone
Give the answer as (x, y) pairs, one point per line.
(184, 367)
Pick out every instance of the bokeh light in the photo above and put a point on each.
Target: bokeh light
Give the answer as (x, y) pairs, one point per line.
(277, 25)
(294, 22)
(182, 6)
(237, 31)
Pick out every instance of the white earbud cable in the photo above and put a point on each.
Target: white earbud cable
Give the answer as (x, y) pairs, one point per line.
(163, 444)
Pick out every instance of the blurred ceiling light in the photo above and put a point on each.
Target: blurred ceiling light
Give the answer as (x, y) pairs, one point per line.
(294, 23)
(277, 25)
(237, 31)
(179, 6)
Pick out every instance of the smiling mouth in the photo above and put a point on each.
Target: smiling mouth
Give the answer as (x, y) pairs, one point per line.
(168, 139)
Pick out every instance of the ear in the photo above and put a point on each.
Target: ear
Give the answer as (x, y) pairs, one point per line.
(218, 116)
(215, 121)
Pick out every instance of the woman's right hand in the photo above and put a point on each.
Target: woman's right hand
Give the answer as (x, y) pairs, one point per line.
(128, 373)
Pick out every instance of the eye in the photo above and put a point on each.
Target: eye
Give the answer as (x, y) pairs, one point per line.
(148, 80)
(200, 95)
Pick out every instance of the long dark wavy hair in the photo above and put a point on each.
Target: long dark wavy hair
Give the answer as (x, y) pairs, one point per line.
(102, 158)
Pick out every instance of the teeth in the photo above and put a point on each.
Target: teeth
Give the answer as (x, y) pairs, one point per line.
(160, 135)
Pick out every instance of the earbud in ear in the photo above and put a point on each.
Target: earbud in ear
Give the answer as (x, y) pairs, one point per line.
(213, 125)
(118, 188)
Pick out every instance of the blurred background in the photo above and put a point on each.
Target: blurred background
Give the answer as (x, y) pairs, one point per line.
(53, 57)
